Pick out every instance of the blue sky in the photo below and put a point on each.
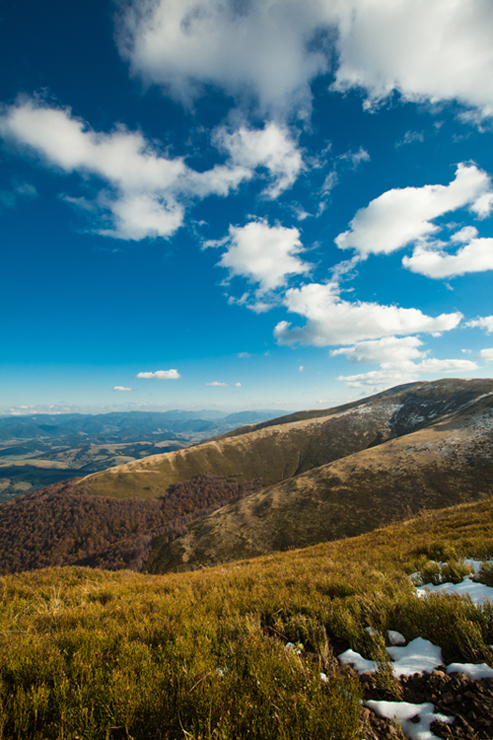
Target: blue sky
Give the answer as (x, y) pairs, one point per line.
(242, 203)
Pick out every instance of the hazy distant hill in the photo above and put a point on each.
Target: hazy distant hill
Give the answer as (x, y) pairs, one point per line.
(40, 449)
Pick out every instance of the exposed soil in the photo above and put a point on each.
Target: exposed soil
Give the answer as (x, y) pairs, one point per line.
(469, 702)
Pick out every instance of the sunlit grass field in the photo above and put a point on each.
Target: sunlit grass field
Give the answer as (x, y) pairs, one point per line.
(100, 655)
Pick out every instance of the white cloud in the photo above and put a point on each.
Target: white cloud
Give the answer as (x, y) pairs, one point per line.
(334, 321)
(270, 147)
(217, 384)
(160, 375)
(262, 47)
(428, 51)
(464, 235)
(434, 51)
(244, 355)
(396, 373)
(486, 354)
(142, 192)
(387, 349)
(121, 388)
(301, 368)
(483, 322)
(401, 216)
(432, 365)
(261, 253)
(434, 262)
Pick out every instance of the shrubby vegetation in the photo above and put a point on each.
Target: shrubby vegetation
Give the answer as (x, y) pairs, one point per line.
(202, 655)
(63, 525)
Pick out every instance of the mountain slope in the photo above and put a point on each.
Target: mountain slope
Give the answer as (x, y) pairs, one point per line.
(448, 463)
(105, 655)
(286, 447)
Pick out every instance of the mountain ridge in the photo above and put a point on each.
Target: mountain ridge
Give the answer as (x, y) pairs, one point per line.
(276, 451)
(447, 463)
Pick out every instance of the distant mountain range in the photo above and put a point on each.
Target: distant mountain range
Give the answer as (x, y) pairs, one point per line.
(325, 475)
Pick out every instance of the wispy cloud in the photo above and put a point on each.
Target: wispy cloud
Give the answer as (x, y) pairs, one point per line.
(121, 388)
(217, 384)
(395, 373)
(9, 198)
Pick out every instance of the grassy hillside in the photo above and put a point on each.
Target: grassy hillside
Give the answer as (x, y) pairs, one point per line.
(445, 464)
(97, 655)
(278, 451)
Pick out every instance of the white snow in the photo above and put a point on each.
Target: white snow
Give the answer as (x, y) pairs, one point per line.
(403, 711)
(478, 592)
(474, 564)
(420, 656)
(395, 638)
(360, 664)
(475, 671)
(372, 631)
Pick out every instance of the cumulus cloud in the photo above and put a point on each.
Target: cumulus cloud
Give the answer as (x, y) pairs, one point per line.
(217, 384)
(486, 354)
(160, 375)
(264, 48)
(402, 216)
(121, 388)
(334, 321)
(434, 262)
(387, 349)
(483, 322)
(141, 192)
(427, 51)
(261, 253)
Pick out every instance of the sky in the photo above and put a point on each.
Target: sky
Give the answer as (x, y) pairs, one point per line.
(242, 204)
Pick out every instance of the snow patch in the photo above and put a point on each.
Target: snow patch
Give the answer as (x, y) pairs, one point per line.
(477, 592)
(406, 715)
(475, 671)
(360, 664)
(420, 656)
